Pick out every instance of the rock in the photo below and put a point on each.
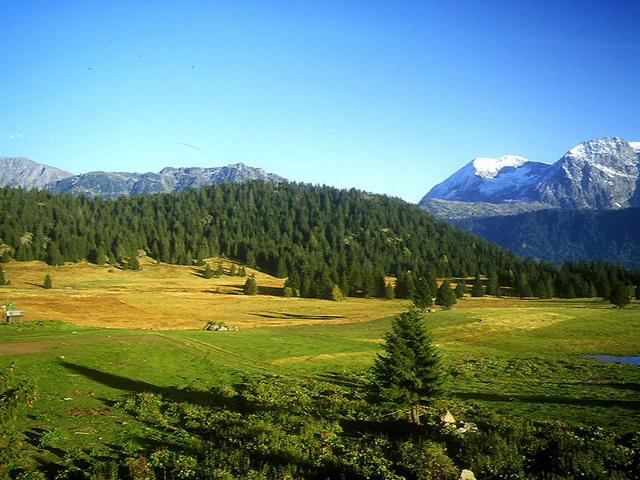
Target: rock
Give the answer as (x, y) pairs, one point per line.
(467, 475)
(447, 419)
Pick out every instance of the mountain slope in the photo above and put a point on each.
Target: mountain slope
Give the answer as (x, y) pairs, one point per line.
(25, 173)
(599, 173)
(558, 235)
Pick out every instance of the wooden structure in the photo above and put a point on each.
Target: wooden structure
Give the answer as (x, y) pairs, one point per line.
(13, 315)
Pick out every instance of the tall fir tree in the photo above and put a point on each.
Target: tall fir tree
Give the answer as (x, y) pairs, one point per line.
(445, 296)
(619, 295)
(3, 278)
(422, 296)
(477, 290)
(47, 282)
(460, 289)
(250, 286)
(408, 373)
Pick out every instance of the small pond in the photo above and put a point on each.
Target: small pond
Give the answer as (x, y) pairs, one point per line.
(631, 360)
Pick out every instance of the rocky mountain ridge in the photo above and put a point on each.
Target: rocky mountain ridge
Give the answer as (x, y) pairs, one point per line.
(25, 173)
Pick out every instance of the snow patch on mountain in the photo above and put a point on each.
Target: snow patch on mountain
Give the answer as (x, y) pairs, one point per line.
(488, 167)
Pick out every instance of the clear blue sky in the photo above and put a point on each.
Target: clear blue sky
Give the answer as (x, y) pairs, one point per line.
(387, 96)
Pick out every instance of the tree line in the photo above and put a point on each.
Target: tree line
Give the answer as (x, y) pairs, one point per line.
(325, 241)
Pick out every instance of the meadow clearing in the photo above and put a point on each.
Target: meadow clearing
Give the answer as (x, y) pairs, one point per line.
(102, 333)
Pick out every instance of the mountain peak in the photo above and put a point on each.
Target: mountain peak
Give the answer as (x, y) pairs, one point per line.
(604, 147)
(25, 173)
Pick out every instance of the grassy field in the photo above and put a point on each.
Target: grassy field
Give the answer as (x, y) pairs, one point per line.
(521, 358)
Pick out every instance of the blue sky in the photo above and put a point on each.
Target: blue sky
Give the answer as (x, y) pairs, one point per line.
(391, 97)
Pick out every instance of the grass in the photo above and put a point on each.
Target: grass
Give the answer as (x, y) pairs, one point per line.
(520, 358)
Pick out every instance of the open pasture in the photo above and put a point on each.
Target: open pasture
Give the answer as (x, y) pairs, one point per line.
(517, 357)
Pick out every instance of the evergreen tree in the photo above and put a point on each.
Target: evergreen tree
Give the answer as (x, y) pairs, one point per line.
(3, 279)
(220, 270)
(422, 296)
(281, 270)
(619, 294)
(336, 293)
(251, 286)
(492, 283)
(133, 263)
(207, 271)
(445, 296)
(54, 257)
(47, 282)
(460, 289)
(389, 292)
(408, 373)
(521, 287)
(242, 272)
(477, 290)
(233, 271)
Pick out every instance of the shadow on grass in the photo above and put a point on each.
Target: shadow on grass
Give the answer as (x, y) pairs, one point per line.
(136, 386)
(294, 316)
(543, 399)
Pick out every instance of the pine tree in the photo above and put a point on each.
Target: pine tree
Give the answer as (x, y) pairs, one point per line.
(492, 283)
(422, 296)
(521, 287)
(281, 270)
(250, 286)
(389, 292)
(133, 263)
(219, 270)
(477, 290)
(207, 271)
(3, 279)
(242, 272)
(408, 373)
(445, 296)
(459, 290)
(233, 271)
(619, 294)
(47, 282)
(336, 294)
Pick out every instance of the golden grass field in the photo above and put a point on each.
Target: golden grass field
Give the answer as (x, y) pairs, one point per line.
(162, 296)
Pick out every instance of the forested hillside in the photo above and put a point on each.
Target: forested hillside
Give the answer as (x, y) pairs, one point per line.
(561, 235)
(319, 237)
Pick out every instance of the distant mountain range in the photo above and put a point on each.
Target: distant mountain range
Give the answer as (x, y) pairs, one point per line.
(603, 173)
(25, 173)
(576, 208)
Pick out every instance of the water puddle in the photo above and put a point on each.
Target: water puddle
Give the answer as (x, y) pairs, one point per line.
(630, 360)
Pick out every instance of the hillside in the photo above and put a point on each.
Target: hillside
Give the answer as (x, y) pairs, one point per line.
(565, 235)
(318, 237)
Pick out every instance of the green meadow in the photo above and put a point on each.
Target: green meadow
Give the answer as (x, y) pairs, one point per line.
(522, 359)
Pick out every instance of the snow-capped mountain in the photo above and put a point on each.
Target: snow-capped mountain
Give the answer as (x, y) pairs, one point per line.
(598, 174)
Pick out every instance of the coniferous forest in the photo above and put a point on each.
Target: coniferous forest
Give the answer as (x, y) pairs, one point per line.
(318, 237)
